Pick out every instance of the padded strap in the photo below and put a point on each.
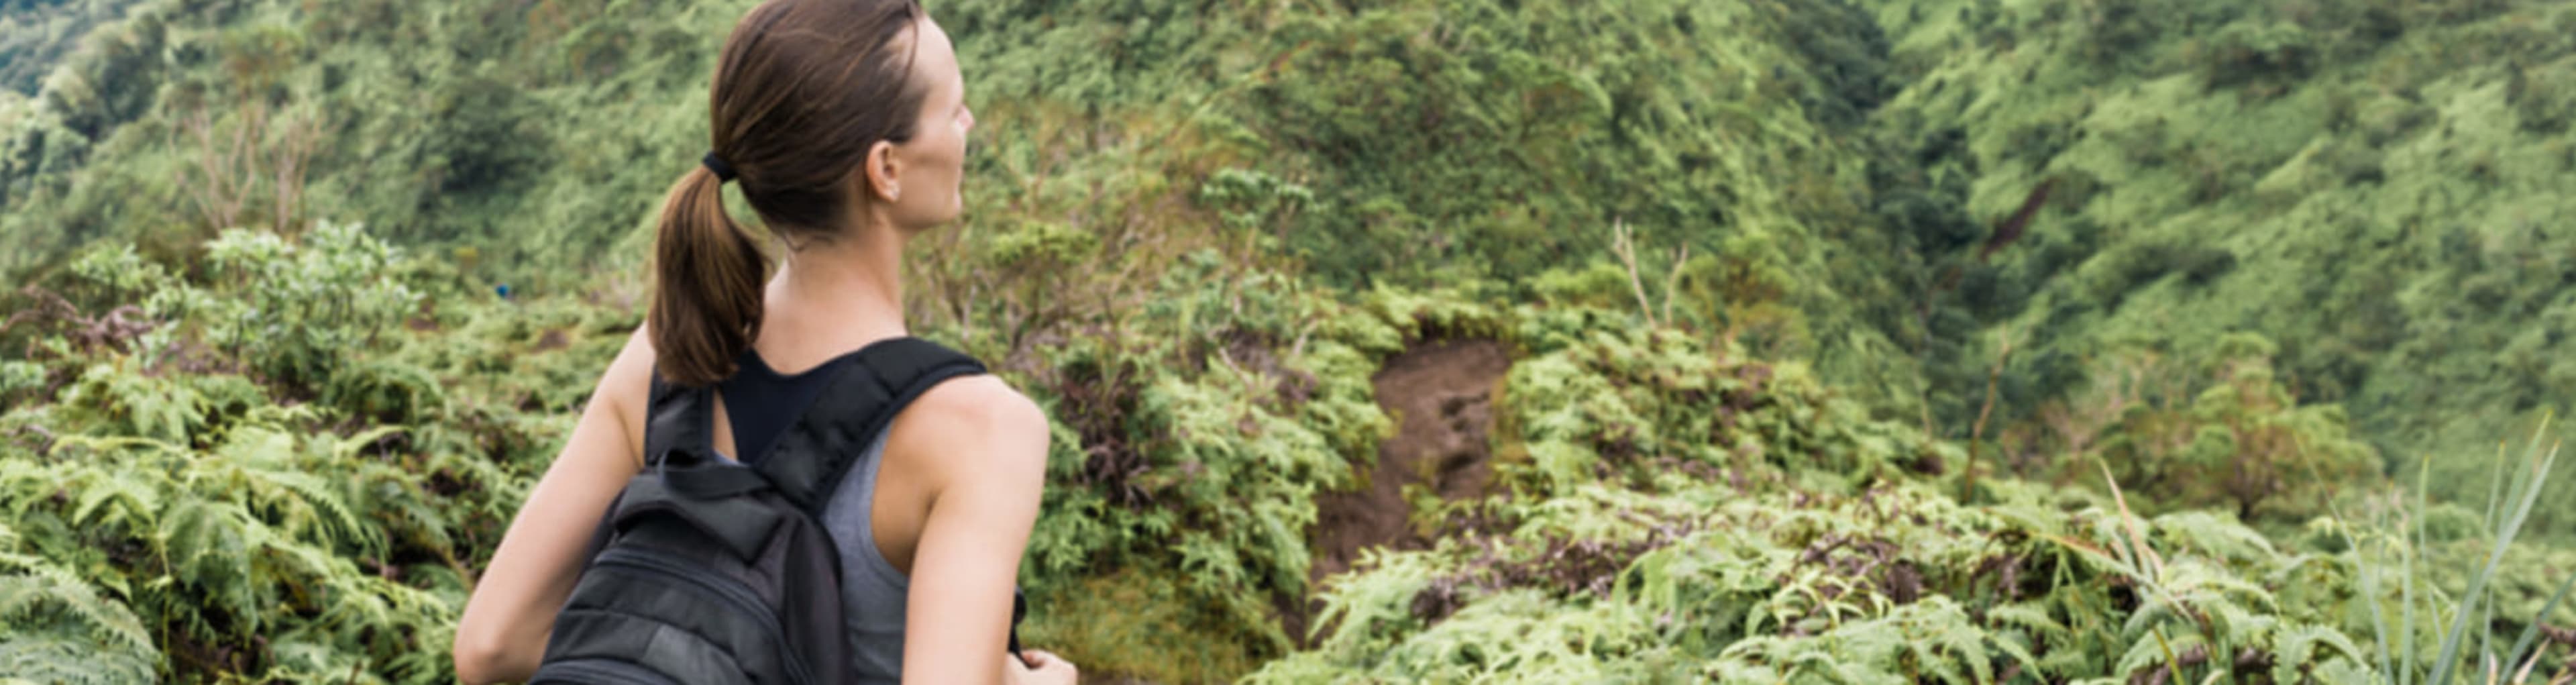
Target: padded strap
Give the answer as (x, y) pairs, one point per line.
(809, 460)
(678, 418)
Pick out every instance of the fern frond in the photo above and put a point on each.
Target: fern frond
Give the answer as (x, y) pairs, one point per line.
(2215, 535)
(2295, 647)
(135, 500)
(41, 584)
(48, 657)
(2028, 616)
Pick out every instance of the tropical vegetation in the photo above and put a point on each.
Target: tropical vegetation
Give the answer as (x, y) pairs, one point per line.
(2105, 341)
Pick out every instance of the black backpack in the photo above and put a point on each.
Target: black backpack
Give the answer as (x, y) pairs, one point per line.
(709, 571)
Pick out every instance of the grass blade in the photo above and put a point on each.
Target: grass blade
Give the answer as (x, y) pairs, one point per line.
(2413, 520)
(2378, 614)
(2504, 539)
(2173, 663)
(2532, 631)
(2495, 499)
(2147, 558)
(2495, 490)
(2486, 633)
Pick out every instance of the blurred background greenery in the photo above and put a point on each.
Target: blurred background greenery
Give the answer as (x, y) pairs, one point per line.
(306, 293)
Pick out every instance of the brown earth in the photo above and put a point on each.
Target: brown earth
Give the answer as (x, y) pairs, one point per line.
(1441, 396)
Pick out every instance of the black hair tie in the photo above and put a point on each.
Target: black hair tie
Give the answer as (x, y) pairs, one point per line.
(724, 172)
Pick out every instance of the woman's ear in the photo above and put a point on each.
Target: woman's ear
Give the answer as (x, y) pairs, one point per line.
(883, 172)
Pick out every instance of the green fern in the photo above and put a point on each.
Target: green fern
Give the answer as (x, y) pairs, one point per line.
(56, 627)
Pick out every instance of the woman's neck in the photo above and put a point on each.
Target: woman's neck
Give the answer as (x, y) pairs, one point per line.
(830, 298)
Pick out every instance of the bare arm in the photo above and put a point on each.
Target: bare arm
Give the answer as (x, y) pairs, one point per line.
(989, 446)
(503, 632)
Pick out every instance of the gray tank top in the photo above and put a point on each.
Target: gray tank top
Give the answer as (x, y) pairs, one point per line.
(872, 591)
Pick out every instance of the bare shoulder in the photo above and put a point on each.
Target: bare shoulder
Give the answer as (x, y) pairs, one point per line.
(978, 404)
(973, 422)
(630, 375)
(626, 389)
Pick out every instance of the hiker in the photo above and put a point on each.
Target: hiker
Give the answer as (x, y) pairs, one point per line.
(845, 124)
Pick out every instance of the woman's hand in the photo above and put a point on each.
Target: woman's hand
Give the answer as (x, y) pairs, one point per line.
(1039, 667)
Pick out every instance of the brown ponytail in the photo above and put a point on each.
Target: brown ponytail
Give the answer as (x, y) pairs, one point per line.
(803, 89)
(708, 274)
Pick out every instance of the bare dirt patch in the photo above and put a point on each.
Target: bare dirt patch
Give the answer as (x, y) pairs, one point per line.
(1441, 396)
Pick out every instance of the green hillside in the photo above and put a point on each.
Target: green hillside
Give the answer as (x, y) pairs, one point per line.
(1426, 341)
(36, 34)
(2375, 187)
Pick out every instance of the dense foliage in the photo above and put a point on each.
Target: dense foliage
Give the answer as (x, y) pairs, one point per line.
(1790, 539)
(284, 467)
(2370, 186)
(1787, 399)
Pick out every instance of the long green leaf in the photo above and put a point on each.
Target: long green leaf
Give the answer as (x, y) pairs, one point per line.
(2504, 539)
(2486, 632)
(2406, 622)
(2173, 664)
(2495, 489)
(2495, 497)
(2369, 570)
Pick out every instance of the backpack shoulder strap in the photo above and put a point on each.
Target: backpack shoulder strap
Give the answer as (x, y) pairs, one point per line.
(677, 417)
(863, 398)
(674, 417)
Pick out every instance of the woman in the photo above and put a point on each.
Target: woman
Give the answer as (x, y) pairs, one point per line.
(845, 122)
